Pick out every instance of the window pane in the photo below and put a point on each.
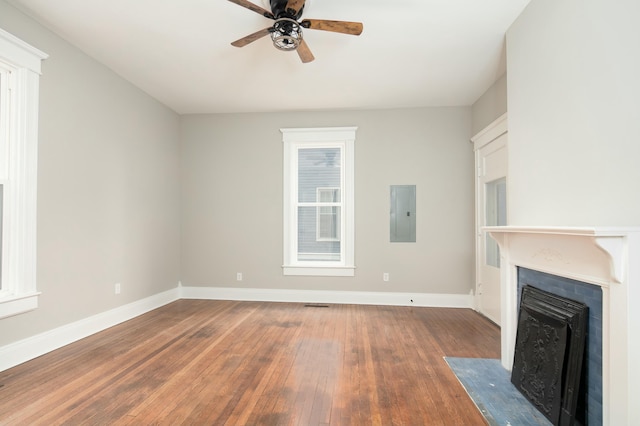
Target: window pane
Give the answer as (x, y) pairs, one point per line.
(328, 224)
(328, 220)
(317, 168)
(310, 247)
(496, 215)
(328, 195)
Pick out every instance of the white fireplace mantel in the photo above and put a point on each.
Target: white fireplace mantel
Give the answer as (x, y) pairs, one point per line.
(606, 257)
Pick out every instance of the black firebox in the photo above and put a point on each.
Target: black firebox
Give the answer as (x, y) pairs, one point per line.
(550, 346)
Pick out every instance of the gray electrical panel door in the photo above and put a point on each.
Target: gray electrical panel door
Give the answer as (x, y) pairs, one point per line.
(403, 213)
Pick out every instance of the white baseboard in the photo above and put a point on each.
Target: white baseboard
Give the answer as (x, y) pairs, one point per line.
(340, 297)
(32, 347)
(35, 346)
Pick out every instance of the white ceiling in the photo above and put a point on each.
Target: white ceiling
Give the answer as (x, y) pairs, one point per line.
(411, 53)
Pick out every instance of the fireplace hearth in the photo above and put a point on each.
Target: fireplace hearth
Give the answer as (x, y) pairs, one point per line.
(550, 344)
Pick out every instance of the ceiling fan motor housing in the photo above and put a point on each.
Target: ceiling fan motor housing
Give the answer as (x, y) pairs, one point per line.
(279, 9)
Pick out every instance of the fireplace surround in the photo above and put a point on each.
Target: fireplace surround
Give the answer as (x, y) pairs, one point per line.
(604, 257)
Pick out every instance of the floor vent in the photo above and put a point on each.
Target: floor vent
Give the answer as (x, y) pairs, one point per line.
(315, 305)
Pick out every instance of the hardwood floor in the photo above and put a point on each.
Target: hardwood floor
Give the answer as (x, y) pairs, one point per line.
(203, 362)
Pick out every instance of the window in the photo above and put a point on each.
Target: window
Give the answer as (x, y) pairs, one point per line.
(19, 83)
(319, 201)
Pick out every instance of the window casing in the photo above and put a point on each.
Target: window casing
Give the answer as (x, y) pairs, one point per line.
(319, 201)
(19, 88)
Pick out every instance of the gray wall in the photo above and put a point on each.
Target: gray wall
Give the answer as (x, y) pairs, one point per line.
(107, 188)
(491, 105)
(574, 111)
(120, 175)
(232, 199)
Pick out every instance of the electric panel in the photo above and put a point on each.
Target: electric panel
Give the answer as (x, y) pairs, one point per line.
(403, 214)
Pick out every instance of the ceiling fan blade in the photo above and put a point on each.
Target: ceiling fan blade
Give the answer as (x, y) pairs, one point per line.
(304, 52)
(255, 8)
(345, 27)
(251, 37)
(294, 5)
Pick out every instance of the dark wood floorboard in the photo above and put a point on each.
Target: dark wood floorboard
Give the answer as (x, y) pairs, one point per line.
(198, 362)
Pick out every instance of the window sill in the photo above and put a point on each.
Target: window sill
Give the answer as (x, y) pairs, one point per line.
(320, 271)
(14, 305)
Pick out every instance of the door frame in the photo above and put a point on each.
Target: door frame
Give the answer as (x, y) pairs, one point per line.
(487, 135)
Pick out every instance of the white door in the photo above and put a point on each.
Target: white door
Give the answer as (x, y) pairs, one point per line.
(491, 207)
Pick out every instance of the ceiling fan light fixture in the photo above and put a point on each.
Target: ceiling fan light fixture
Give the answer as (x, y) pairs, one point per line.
(286, 34)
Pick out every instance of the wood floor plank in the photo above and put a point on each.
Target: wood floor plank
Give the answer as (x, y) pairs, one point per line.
(237, 363)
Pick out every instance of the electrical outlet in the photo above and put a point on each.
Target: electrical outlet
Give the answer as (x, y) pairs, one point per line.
(385, 276)
(239, 276)
(117, 288)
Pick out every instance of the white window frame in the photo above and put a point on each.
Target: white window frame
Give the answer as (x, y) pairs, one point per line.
(20, 66)
(295, 139)
(320, 213)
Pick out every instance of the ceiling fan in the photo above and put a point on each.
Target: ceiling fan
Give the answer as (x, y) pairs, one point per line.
(286, 31)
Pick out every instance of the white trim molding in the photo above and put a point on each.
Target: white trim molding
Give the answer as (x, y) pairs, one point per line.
(32, 347)
(19, 53)
(497, 128)
(492, 141)
(35, 346)
(295, 140)
(324, 296)
(20, 67)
